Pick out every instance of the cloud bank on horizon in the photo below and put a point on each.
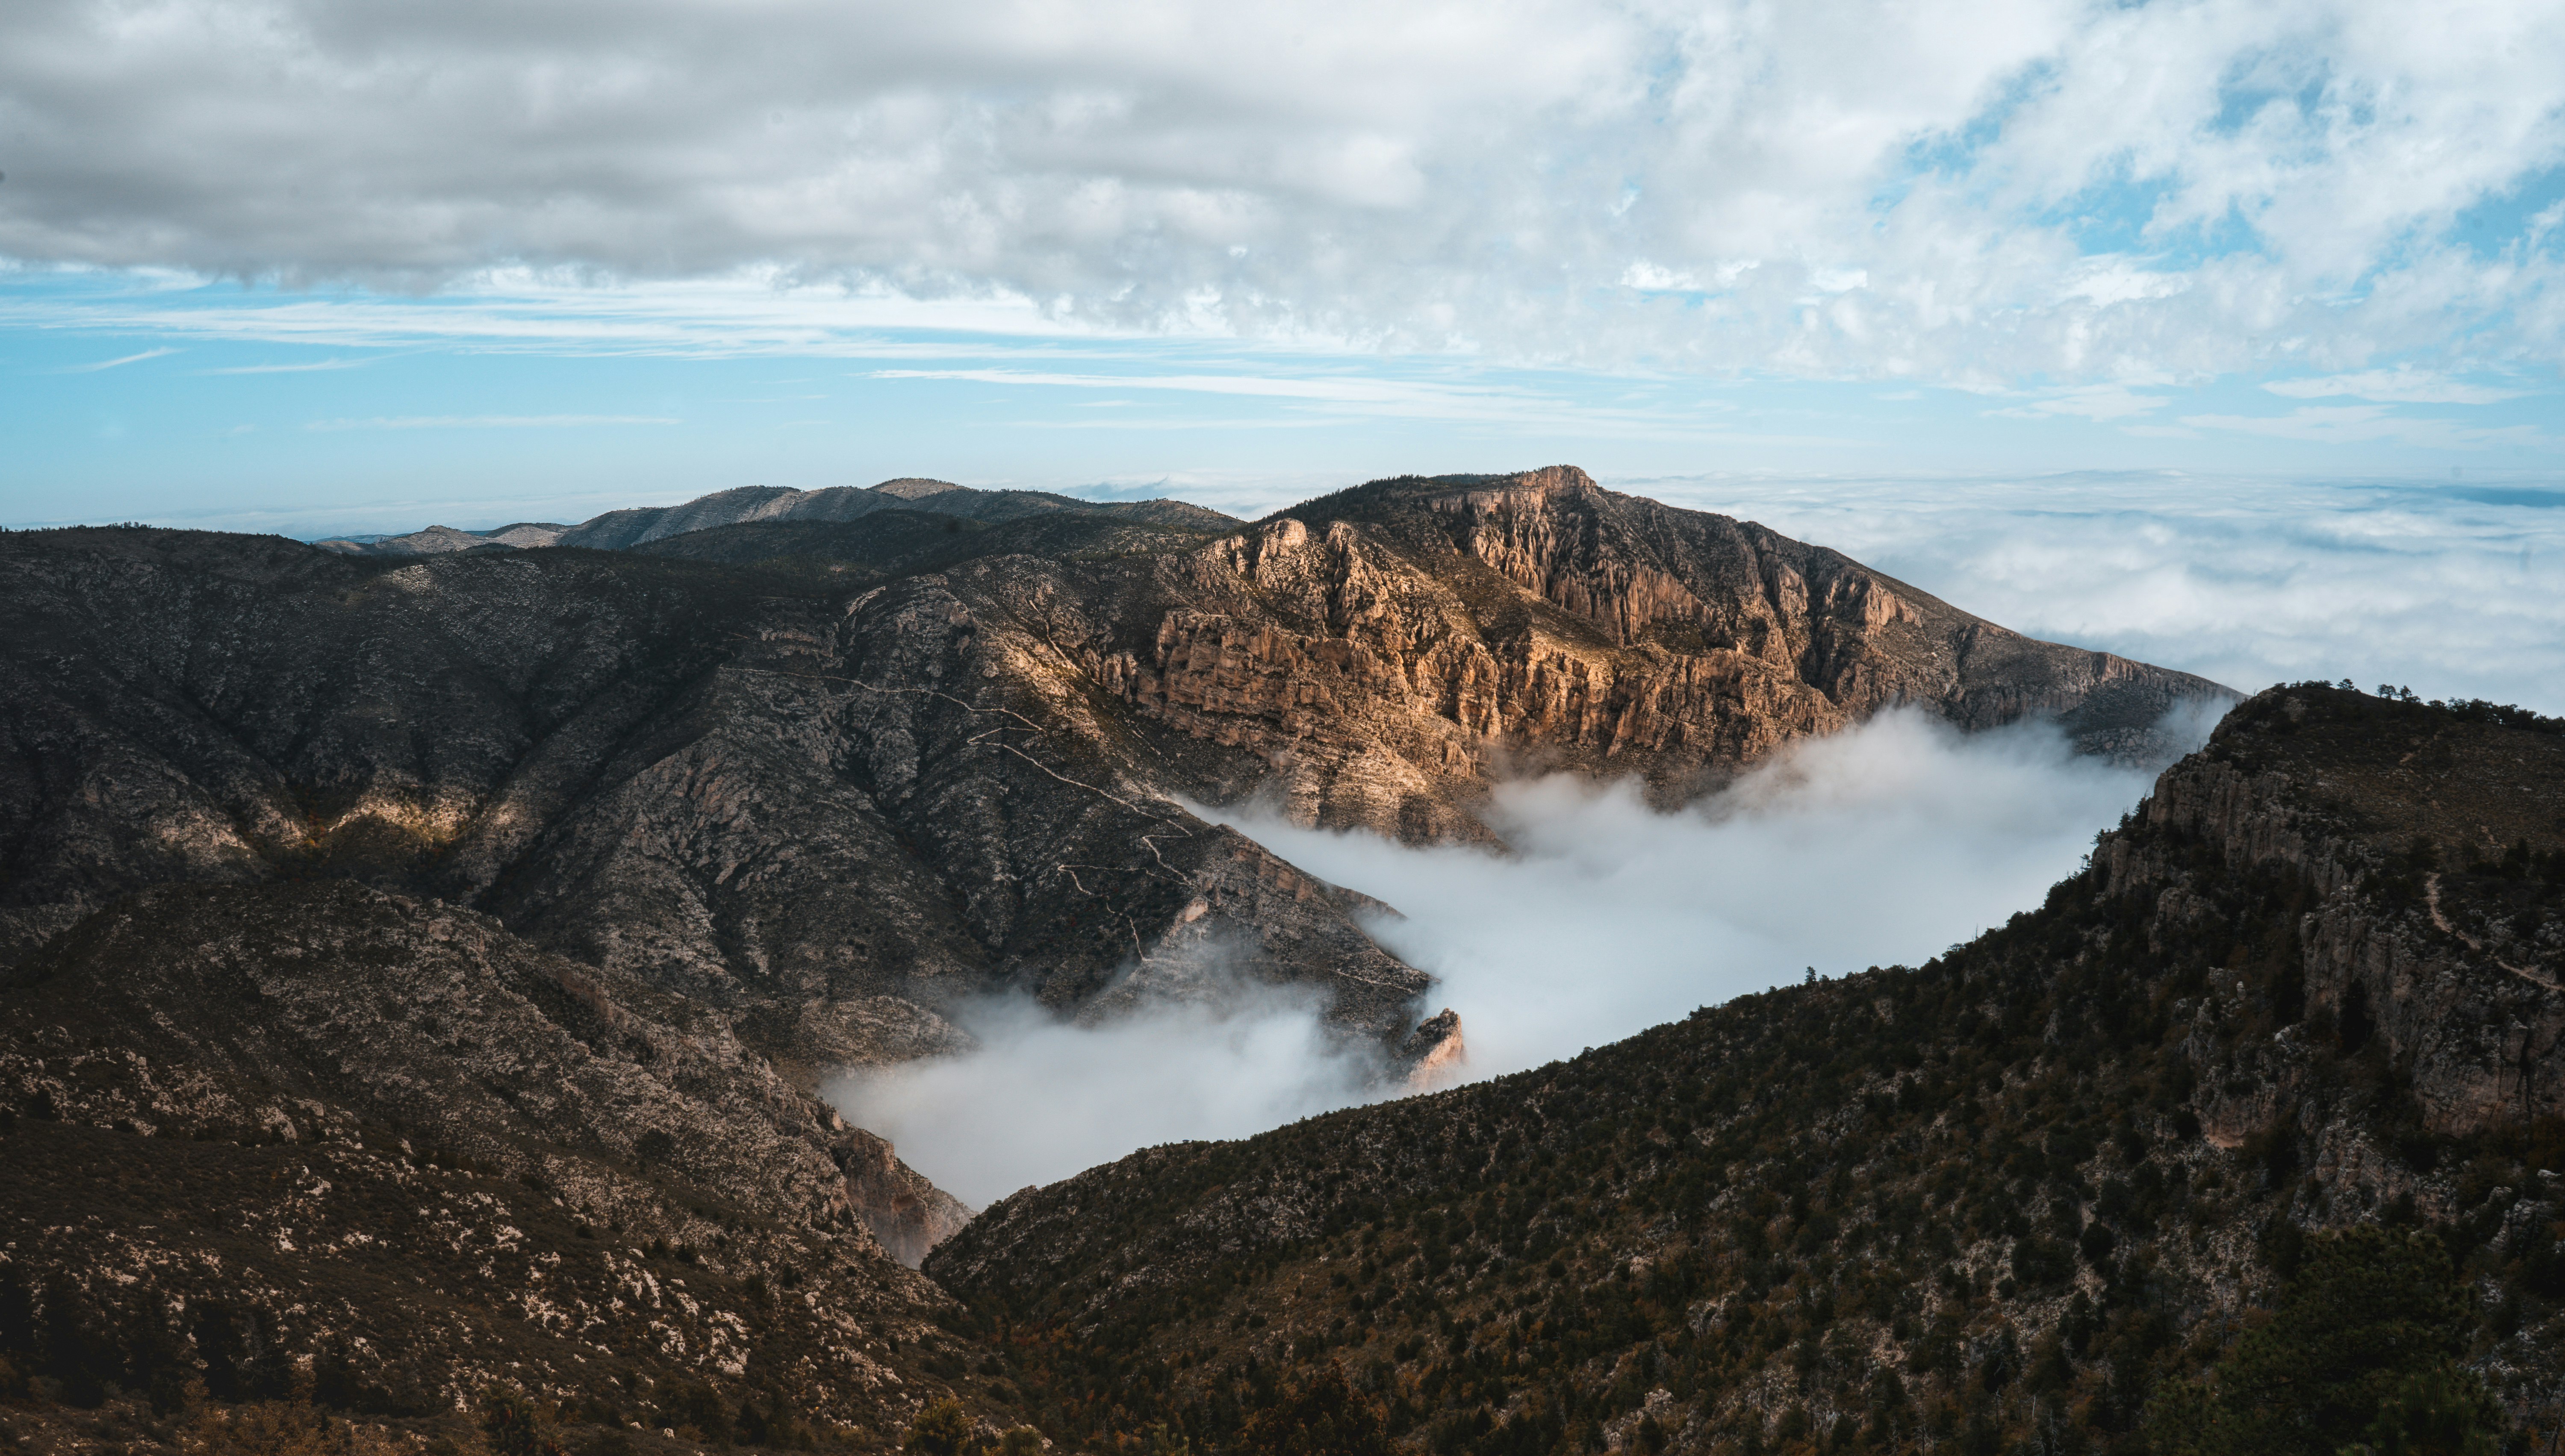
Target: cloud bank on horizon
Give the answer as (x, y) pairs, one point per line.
(2028, 193)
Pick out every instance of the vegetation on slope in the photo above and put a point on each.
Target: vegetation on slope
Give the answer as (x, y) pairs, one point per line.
(1968, 1203)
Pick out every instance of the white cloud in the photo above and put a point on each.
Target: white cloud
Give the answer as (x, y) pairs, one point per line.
(2359, 424)
(1345, 394)
(1646, 275)
(2098, 402)
(1038, 1099)
(2457, 587)
(2115, 279)
(1606, 918)
(118, 364)
(2028, 188)
(486, 422)
(2403, 384)
(316, 367)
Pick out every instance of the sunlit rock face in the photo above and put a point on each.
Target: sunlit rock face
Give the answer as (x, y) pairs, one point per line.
(840, 757)
(1391, 650)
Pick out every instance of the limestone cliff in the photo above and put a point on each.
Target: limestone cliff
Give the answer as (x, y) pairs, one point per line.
(1391, 650)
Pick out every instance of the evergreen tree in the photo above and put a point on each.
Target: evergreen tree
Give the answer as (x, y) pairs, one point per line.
(1323, 1416)
(2360, 1350)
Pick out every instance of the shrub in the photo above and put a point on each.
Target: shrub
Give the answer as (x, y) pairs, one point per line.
(941, 1429)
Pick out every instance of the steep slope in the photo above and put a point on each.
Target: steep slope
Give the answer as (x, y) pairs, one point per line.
(758, 792)
(1394, 647)
(883, 545)
(2001, 1200)
(256, 1128)
(831, 775)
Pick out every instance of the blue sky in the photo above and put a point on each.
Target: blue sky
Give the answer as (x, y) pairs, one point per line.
(306, 412)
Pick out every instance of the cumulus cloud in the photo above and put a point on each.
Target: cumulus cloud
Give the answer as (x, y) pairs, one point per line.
(1880, 845)
(2025, 189)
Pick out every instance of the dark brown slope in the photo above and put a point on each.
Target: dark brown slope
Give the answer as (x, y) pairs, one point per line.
(1999, 1200)
(823, 814)
(774, 505)
(390, 1135)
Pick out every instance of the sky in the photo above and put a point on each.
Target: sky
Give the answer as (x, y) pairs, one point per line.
(360, 266)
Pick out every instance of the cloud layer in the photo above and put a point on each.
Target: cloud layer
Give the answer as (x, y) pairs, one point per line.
(2455, 589)
(1876, 846)
(2026, 189)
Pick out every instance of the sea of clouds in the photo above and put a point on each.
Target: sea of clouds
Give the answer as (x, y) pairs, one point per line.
(2453, 588)
(1881, 845)
(1878, 846)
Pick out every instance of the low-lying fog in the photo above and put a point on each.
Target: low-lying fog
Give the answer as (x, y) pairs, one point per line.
(1883, 845)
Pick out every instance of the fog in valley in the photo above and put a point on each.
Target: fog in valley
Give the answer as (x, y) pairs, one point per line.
(1878, 846)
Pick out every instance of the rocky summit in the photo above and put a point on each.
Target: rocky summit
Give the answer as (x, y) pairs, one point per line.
(418, 958)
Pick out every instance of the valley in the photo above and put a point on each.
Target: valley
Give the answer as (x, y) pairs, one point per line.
(422, 959)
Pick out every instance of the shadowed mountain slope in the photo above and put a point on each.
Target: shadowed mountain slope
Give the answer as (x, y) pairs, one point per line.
(757, 794)
(2003, 1200)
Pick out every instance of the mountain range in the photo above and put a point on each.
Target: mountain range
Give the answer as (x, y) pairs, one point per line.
(419, 958)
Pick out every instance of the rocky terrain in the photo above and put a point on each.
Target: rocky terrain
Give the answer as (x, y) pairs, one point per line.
(314, 1137)
(2013, 1199)
(828, 768)
(417, 962)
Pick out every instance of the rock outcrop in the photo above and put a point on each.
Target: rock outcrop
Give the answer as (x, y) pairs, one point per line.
(2407, 839)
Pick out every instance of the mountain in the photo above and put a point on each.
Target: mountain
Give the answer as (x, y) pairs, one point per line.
(828, 776)
(415, 970)
(437, 540)
(617, 531)
(2284, 1058)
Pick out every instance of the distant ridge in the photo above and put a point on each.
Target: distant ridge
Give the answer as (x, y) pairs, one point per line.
(619, 530)
(438, 540)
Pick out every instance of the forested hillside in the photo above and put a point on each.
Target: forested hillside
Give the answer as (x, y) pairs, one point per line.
(2288, 1042)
